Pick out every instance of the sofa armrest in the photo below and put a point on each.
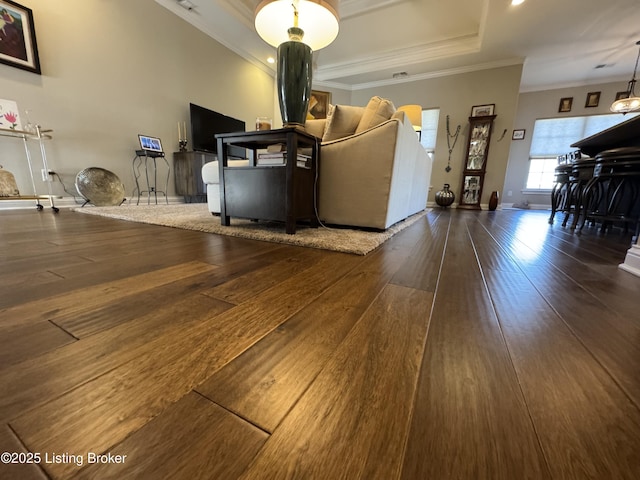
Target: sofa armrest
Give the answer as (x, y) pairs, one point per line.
(355, 176)
(211, 170)
(374, 178)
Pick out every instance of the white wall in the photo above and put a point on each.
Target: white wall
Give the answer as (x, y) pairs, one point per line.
(545, 104)
(113, 69)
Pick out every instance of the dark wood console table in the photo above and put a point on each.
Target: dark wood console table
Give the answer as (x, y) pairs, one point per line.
(285, 193)
(187, 168)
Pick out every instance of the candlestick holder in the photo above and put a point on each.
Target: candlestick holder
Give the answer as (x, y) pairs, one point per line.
(182, 145)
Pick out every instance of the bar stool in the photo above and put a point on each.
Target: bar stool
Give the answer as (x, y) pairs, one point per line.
(612, 195)
(560, 194)
(581, 175)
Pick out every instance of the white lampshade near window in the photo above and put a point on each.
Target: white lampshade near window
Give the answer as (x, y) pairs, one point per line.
(414, 112)
(317, 18)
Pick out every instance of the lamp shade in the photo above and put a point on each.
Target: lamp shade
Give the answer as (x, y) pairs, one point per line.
(317, 18)
(414, 112)
(626, 105)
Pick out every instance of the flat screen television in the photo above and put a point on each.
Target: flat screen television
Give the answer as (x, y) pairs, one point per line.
(205, 124)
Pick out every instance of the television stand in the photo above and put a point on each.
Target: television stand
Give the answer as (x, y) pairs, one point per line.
(187, 172)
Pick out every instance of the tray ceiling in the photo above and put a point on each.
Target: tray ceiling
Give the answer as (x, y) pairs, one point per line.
(568, 43)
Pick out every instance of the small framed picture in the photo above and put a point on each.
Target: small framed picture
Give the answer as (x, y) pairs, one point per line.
(18, 46)
(518, 135)
(621, 95)
(593, 99)
(318, 104)
(565, 104)
(483, 110)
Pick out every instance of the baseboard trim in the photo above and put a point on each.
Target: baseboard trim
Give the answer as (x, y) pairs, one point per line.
(632, 261)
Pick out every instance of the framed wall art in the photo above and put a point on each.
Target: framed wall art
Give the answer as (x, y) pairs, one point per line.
(565, 104)
(483, 110)
(593, 99)
(518, 134)
(318, 104)
(18, 46)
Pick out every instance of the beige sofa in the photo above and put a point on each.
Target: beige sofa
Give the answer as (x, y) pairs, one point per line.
(373, 170)
(374, 174)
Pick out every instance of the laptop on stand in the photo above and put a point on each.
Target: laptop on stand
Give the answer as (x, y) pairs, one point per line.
(149, 147)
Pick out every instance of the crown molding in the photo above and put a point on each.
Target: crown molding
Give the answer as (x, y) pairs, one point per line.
(440, 73)
(351, 8)
(240, 11)
(585, 83)
(222, 37)
(347, 8)
(401, 58)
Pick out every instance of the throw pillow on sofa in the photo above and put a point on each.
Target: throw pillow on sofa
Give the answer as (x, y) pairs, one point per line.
(342, 121)
(378, 110)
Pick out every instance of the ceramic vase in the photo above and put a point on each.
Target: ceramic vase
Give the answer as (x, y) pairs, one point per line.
(493, 201)
(294, 81)
(445, 197)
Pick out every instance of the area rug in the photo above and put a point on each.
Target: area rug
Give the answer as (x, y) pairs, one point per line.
(196, 216)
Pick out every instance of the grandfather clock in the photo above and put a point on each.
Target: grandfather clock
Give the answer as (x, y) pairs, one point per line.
(475, 161)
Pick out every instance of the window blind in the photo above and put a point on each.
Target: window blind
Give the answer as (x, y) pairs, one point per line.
(554, 136)
(429, 128)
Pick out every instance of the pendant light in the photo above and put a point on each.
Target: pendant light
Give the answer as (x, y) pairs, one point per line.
(632, 102)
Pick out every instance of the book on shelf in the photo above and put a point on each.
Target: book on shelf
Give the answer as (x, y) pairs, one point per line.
(276, 147)
(280, 158)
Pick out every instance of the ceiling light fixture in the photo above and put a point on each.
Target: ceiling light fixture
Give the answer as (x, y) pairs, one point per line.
(296, 27)
(517, 2)
(631, 102)
(186, 4)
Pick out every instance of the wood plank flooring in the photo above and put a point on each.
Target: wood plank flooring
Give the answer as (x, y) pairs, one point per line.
(472, 345)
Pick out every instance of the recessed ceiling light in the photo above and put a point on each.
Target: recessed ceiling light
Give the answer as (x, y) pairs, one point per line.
(186, 4)
(517, 2)
(271, 60)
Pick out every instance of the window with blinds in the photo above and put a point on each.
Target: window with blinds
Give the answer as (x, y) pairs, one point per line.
(429, 129)
(554, 136)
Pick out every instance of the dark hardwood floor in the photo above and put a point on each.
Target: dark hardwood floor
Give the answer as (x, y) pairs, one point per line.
(472, 345)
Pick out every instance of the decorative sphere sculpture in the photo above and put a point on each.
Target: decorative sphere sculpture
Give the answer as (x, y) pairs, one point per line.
(100, 187)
